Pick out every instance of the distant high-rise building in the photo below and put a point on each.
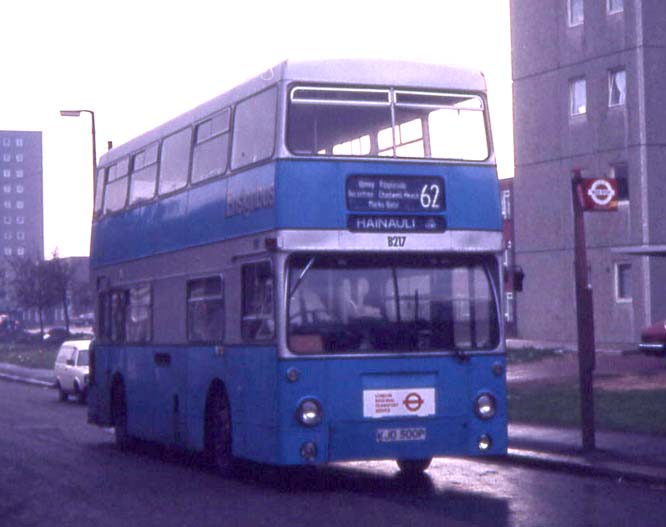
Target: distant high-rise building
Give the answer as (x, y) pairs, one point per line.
(21, 201)
(589, 80)
(21, 196)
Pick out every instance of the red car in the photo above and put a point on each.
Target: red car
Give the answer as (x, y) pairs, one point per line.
(653, 339)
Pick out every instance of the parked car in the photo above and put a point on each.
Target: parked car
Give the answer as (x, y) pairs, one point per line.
(56, 336)
(71, 370)
(653, 339)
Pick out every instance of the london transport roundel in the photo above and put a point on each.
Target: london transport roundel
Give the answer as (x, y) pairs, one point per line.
(599, 194)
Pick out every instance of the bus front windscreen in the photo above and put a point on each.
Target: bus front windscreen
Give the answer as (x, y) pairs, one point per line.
(325, 121)
(361, 304)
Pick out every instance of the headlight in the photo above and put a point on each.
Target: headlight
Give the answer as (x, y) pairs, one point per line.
(485, 406)
(309, 412)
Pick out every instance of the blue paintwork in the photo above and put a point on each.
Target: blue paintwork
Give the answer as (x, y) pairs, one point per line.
(307, 195)
(167, 402)
(264, 402)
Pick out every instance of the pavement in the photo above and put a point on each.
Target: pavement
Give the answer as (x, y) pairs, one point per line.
(624, 457)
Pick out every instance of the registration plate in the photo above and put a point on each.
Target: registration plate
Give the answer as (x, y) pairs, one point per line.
(389, 435)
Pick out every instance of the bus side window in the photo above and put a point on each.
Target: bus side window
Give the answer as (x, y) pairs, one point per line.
(115, 192)
(104, 316)
(175, 161)
(254, 129)
(118, 315)
(258, 319)
(99, 190)
(205, 310)
(144, 175)
(211, 147)
(139, 315)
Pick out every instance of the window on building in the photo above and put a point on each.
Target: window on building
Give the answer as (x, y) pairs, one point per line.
(19, 158)
(258, 322)
(620, 171)
(254, 129)
(19, 173)
(7, 189)
(617, 90)
(20, 220)
(19, 204)
(6, 157)
(19, 189)
(577, 97)
(623, 286)
(615, 6)
(175, 161)
(8, 251)
(19, 141)
(20, 251)
(144, 174)
(7, 204)
(20, 235)
(205, 310)
(211, 148)
(575, 11)
(6, 172)
(6, 141)
(7, 220)
(8, 236)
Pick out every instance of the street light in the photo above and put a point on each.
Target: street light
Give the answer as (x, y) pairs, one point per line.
(77, 113)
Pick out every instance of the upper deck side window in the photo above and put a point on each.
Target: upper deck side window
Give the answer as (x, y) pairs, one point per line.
(254, 129)
(115, 195)
(99, 189)
(144, 174)
(204, 148)
(211, 147)
(175, 161)
(388, 123)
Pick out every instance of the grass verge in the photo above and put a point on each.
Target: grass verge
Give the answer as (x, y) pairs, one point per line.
(522, 355)
(28, 355)
(559, 405)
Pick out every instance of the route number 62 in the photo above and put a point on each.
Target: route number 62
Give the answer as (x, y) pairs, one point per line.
(430, 196)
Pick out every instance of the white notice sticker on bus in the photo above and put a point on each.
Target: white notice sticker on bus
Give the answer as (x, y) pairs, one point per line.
(414, 402)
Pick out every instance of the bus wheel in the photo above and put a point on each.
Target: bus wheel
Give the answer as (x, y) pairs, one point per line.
(413, 467)
(119, 415)
(218, 432)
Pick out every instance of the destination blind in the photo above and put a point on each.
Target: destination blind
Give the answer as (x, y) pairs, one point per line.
(391, 197)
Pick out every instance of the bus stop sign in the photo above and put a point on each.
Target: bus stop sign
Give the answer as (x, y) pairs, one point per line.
(598, 194)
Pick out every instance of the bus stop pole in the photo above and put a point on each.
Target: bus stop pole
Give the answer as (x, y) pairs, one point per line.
(585, 319)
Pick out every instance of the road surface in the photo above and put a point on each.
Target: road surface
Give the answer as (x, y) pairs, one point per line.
(57, 470)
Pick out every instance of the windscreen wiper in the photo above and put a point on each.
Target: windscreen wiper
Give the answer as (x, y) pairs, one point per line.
(305, 270)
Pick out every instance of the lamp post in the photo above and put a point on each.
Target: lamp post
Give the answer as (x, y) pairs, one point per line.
(77, 113)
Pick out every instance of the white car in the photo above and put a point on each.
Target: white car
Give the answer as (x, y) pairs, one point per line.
(71, 369)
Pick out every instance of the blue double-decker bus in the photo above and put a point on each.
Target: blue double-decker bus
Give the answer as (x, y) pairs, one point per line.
(304, 270)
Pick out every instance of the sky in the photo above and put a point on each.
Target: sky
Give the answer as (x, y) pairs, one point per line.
(139, 63)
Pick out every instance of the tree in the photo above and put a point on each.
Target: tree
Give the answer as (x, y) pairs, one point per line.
(31, 285)
(59, 275)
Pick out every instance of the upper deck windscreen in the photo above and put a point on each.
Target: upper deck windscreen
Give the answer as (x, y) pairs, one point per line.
(327, 121)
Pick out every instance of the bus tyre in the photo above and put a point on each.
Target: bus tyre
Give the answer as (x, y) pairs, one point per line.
(218, 433)
(119, 415)
(413, 467)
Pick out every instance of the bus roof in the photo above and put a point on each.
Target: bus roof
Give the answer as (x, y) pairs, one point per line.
(383, 73)
(363, 72)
